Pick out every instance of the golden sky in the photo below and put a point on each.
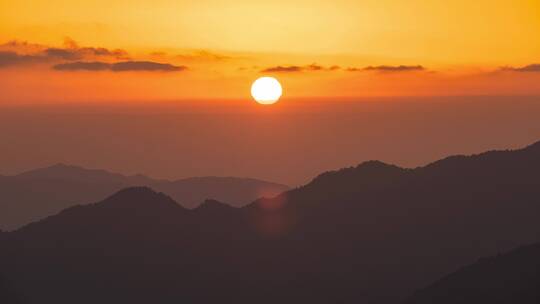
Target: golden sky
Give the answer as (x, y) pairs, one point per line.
(214, 49)
(163, 87)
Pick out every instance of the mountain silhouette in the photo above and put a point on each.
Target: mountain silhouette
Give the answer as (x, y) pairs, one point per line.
(42, 192)
(73, 173)
(368, 234)
(503, 279)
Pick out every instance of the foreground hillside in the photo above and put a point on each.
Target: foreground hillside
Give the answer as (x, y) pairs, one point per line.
(7, 294)
(36, 194)
(369, 234)
(504, 279)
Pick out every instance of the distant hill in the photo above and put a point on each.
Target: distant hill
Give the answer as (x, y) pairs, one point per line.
(504, 279)
(367, 234)
(36, 194)
(237, 192)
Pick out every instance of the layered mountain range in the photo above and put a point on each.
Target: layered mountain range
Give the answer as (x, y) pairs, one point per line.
(374, 233)
(36, 194)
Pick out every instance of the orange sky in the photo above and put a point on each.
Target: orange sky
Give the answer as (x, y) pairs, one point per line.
(215, 49)
(162, 87)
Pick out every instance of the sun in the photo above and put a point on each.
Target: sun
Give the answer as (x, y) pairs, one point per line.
(266, 90)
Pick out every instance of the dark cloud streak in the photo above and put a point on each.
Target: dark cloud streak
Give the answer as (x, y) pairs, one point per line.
(83, 66)
(389, 68)
(282, 69)
(17, 53)
(531, 68)
(124, 66)
(62, 53)
(315, 67)
(296, 68)
(8, 58)
(145, 66)
(85, 52)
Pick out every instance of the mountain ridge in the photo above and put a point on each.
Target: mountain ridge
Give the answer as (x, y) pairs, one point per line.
(42, 192)
(512, 277)
(333, 240)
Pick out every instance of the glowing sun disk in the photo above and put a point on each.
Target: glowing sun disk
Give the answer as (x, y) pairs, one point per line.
(266, 90)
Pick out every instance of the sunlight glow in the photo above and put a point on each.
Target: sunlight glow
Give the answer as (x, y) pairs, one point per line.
(266, 90)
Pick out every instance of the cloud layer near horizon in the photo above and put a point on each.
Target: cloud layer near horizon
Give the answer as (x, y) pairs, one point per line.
(316, 67)
(9, 58)
(389, 68)
(124, 66)
(297, 68)
(36, 72)
(74, 58)
(535, 67)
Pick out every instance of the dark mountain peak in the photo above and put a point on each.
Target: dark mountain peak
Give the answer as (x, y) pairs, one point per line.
(126, 208)
(366, 172)
(141, 197)
(375, 165)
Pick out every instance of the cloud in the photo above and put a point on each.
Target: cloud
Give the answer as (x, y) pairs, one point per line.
(124, 66)
(316, 67)
(84, 53)
(72, 51)
(203, 55)
(8, 58)
(145, 66)
(528, 68)
(24, 46)
(296, 68)
(334, 68)
(62, 53)
(389, 68)
(83, 66)
(281, 69)
(71, 57)
(17, 52)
